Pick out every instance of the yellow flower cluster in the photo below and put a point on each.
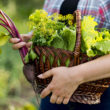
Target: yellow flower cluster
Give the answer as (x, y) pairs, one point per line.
(69, 18)
(48, 24)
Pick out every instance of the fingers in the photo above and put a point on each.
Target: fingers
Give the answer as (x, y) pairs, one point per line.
(46, 74)
(26, 37)
(18, 45)
(66, 100)
(59, 100)
(53, 99)
(28, 45)
(45, 92)
(14, 40)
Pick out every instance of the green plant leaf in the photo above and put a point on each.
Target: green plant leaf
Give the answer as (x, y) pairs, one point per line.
(3, 38)
(69, 37)
(55, 32)
(103, 46)
(89, 34)
(57, 41)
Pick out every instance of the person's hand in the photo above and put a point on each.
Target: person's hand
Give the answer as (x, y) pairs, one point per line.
(64, 83)
(17, 44)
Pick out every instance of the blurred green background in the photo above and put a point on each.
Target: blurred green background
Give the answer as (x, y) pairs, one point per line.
(15, 92)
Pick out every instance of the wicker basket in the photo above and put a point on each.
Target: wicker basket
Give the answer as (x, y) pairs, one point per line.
(88, 93)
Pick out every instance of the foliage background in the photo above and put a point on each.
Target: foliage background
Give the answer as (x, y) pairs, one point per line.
(15, 92)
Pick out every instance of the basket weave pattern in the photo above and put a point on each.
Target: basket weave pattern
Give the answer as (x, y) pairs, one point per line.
(88, 93)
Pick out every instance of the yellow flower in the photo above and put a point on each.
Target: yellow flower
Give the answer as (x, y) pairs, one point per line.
(69, 17)
(70, 22)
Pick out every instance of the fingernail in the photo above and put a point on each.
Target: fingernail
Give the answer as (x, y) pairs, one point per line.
(18, 40)
(40, 76)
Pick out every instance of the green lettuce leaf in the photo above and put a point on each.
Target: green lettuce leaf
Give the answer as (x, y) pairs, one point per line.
(89, 34)
(57, 41)
(69, 37)
(102, 46)
(105, 35)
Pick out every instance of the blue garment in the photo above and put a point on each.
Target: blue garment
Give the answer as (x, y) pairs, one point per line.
(104, 105)
(46, 105)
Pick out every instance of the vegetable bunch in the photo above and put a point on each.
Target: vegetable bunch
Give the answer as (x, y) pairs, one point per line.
(52, 31)
(55, 31)
(7, 23)
(59, 31)
(94, 42)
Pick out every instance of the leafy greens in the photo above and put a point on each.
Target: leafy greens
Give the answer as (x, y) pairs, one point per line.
(94, 42)
(59, 32)
(3, 39)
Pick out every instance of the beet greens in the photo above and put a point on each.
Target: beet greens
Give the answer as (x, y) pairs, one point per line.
(8, 24)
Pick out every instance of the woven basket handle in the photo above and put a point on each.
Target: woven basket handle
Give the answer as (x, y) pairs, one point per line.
(77, 16)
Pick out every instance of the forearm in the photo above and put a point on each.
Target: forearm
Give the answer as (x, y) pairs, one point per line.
(93, 70)
(107, 75)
